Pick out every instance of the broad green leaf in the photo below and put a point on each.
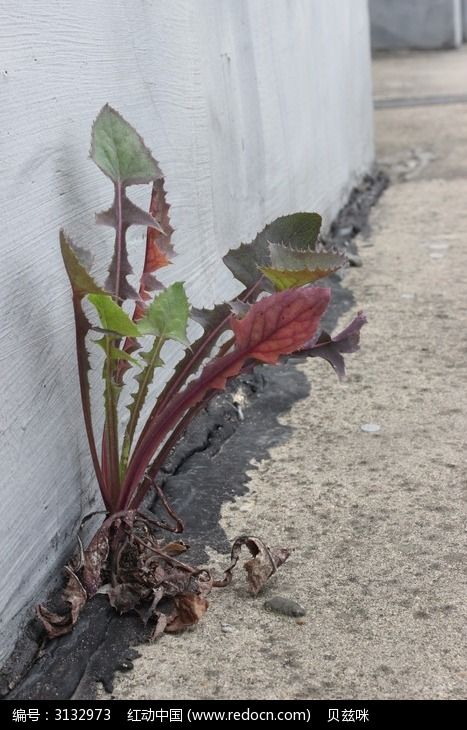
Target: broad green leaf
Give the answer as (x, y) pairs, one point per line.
(284, 257)
(167, 315)
(119, 151)
(112, 317)
(283, 280)
(299, 231)
(80, 279)
(291, 268)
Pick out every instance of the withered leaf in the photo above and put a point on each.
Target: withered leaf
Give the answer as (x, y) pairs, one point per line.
(125, 597)
(95, 558)
(175, 548)
(189, 608)
(261, 567)
(57, 624)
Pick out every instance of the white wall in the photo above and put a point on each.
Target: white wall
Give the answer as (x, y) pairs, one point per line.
(253, 108)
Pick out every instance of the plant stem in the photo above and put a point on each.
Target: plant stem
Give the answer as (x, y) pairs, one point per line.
(144, 381)
(81, 325)
(111, 425)
(119, 237)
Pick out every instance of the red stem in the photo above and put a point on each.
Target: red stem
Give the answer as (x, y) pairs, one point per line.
(81, 326)
(217, 370)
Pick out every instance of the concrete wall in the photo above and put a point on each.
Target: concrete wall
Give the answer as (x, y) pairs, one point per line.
(254, 108)
(416, 23)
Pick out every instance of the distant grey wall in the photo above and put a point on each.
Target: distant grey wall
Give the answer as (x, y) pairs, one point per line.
(464, 18)
(254, 109)
(417, 23)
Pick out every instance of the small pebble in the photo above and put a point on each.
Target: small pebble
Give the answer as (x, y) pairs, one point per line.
(407, 296)
(370, 427)
(285, 606)
(226, 628)
(354, 259)
(300, 621)
(438, 246)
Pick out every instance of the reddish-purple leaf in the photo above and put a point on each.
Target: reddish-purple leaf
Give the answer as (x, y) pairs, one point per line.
(159, 249)
(82, 284)
(332, 348)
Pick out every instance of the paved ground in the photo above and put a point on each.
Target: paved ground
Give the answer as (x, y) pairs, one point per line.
(378, 520)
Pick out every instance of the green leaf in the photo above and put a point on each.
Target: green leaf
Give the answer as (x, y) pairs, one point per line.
(119, 151)
(112, 317)
(291, 268)
(80, 279)
(116, 353)
(299, 231)
(167, 315)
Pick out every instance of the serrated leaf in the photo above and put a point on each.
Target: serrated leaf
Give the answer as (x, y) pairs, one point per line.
(214, 321)
(209, 319)
(159, 248)
(131, 215)
(283, 280)
(291, 268)
(80, 279)
(112, 317)
(82, 283)
(332, 348)
(280, 324)
(298, 230)
(284, 257)
(116, 353)
(167, 315)
(166, 318)
(138, 398)
(119, 270)
(119, 151)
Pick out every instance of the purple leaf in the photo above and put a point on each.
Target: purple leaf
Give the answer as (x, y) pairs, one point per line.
(332, 348)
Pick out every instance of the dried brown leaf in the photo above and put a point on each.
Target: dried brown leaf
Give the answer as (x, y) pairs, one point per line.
(260, 568)
(189, 608)
(95, 558)
(148, 610)
(125, 597)
(175, 548)
(57, 624)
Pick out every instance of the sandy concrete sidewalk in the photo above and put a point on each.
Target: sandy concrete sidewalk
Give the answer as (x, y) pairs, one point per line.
(377, 520)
